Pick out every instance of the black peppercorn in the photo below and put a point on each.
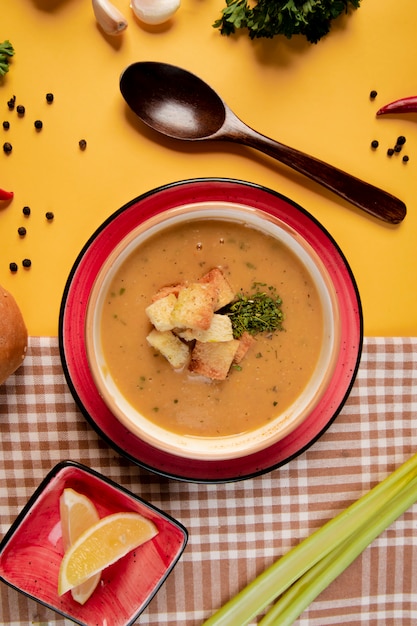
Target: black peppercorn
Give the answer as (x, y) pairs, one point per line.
(390, 151)
(375, 143)
(38, 124)
(6, 125)
(22, 231)
(13, 267)
(405, 158)
(83, 144)
(49, 97)
(11, 103)
(398, 148)
(373, 94)
(20, 109)
(26, 262)
(401, 140)
(7, 147)
(49, 215)
(26, 211)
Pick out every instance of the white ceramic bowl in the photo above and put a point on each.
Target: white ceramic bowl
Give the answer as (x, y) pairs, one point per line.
(231, 446)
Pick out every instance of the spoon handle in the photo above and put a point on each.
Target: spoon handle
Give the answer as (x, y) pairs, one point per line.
(371, 199)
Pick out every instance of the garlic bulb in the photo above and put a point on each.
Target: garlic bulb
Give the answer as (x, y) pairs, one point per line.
(111, 20)
(154, 11)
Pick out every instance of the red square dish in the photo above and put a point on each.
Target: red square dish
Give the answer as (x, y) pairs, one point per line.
(32, 550)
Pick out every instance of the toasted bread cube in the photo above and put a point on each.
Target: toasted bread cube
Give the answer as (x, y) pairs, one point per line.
(220, 330)
(167, 290)
(213, 360)
(194, 306)
(170, 346)
(245, 342)
(225, 292)
(160, 312)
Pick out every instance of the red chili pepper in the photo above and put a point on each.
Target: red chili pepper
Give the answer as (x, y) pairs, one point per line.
(6, 195)
(403, 105)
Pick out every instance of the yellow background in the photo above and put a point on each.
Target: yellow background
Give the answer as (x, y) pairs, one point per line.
(312, 97)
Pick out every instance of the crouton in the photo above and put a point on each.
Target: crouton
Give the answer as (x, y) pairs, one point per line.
(225, 292)
(220, 330)
(245, 342)
(194, 306)
(160, 312)
(170, 346)
(213, 360)
(167, 290)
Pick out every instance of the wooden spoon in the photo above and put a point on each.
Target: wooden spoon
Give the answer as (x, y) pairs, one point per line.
(178, 104)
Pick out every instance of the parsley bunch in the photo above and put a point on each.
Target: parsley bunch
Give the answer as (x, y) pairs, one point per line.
(6, 51)
(267, 18)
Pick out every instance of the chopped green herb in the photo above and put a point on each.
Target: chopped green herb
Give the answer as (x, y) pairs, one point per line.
(118, 319)
(255, 313)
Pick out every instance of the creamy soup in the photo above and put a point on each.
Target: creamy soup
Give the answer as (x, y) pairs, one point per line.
(276, 368)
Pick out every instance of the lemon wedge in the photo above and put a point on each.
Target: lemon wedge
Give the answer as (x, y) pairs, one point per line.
(102, 544)
(77, 514)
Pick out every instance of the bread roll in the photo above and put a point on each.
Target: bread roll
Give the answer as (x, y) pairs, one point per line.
(13, 335)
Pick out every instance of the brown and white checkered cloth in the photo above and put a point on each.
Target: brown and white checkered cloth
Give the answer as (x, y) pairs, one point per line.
(236, 529)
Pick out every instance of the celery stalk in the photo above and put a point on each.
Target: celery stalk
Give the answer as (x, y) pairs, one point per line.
(293, 602)
(276, 579)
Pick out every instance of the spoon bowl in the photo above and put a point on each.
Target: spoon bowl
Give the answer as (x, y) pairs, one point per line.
(173, 101)
(178, 104)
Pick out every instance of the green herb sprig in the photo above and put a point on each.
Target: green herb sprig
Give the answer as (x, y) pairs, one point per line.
(256, 313)
(267, 18)
(6, 51)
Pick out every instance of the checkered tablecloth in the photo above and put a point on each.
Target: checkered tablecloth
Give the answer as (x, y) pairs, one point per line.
(236, 529)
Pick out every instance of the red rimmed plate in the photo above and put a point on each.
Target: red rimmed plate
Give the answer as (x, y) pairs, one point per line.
(74, 307)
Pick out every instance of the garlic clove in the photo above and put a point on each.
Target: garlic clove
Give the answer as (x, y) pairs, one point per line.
(154, 11)
(111, 20)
